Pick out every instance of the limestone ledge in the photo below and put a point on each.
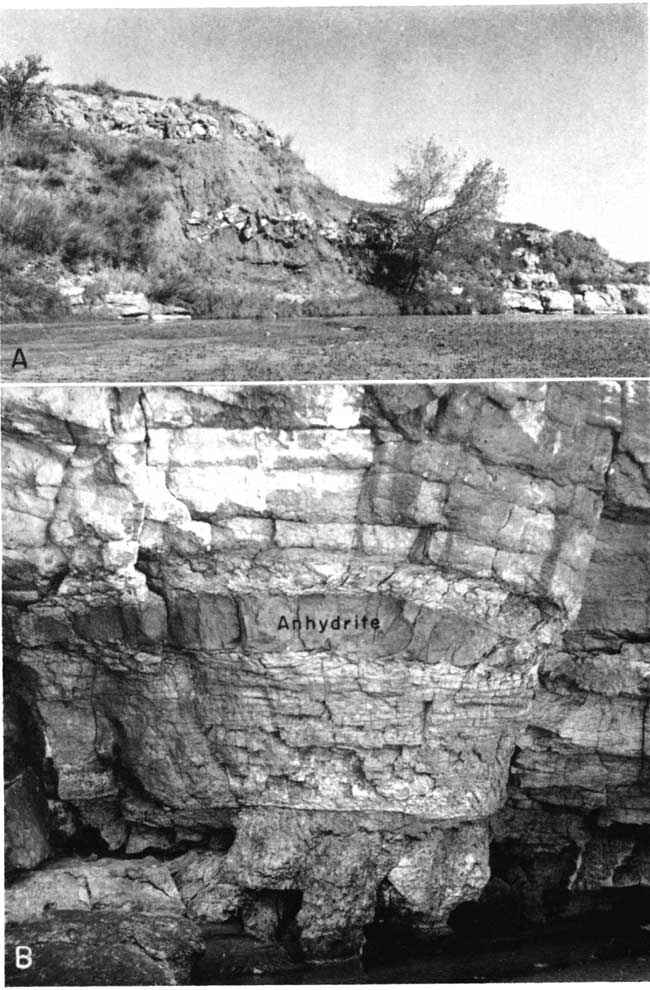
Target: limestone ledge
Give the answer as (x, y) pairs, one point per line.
(150, 116)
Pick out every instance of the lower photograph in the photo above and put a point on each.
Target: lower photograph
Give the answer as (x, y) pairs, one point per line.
(327, 683)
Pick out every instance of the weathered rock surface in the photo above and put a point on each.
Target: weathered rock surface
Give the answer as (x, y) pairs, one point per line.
(556, 301)
(106, 922)
(103, 948)
(594, 301)
(180, 566)
(81, 884)
(524, 299)
(150, 116)
(578, 813)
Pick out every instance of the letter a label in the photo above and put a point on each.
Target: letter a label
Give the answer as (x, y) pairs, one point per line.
(19, 361)
(23, 957)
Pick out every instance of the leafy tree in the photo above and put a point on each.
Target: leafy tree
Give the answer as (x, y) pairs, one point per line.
(436, 215)
(21, 92)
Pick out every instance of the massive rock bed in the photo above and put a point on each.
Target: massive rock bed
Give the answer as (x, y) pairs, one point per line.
(193, 736)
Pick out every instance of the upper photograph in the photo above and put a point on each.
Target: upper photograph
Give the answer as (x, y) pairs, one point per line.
(294, 194)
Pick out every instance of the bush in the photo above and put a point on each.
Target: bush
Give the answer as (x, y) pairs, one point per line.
(55, 180)
(26, 297)
(31, 220)
(101, 88)
(33, 159)
(173, 283)
(114, 226)
(81, 243)
(22, 94)
(433, 301)
(135, 161)
(633, 307)
(488, 301)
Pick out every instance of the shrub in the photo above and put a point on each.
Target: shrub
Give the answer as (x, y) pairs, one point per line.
(114, 226)
(172, 283)
(135, 161)
(54, 180)
(83, 242)
(34, 159)
(433, 301)
(26, 297)
(31, 220)
(488, 301)
(633, 307)
(102, 88)
(22, 94)
(96, 289)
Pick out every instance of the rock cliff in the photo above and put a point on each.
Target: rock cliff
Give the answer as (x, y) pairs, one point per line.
(319, 647)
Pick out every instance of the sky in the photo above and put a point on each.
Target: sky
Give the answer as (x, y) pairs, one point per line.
(557, 95)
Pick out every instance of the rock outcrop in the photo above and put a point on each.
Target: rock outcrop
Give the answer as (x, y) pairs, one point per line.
(157, 208)
(150, 116)
(295, 637)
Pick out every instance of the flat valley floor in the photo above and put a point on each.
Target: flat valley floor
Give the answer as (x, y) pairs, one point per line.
(387, 347)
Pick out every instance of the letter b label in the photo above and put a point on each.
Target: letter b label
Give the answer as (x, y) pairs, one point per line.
(23, 957)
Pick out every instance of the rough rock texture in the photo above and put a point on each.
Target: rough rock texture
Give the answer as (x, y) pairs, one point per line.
(556, 301)
(578, 810)
(79, 884)
(150, 116)
(593, 300)
(180, 565)
(106, 922)
(103, 948)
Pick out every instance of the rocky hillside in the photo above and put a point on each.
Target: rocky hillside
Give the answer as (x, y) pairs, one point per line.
(141, 207)
(115, 203)
(304, 659)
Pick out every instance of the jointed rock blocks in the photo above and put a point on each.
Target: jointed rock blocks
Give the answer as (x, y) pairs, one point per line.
(181, 564)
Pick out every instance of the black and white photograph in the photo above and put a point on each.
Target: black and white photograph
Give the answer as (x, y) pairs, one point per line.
(327, 683)
(325, 475)
(324, 193)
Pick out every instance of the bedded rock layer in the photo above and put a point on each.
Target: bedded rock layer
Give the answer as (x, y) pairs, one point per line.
(289, 636)
(575, 826)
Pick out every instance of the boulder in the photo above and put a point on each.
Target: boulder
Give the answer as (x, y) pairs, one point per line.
(525, 300)
(604, 301)
(556, 301)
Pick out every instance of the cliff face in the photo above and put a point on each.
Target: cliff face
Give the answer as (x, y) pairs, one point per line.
(575, 825)
(291, 638)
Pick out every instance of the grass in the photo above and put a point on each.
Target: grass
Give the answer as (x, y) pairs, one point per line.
(383, 348)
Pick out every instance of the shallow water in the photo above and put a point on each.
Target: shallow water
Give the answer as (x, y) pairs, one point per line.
(568, 956)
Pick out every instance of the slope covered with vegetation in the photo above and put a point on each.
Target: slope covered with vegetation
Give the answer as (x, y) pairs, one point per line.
(110, 196)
